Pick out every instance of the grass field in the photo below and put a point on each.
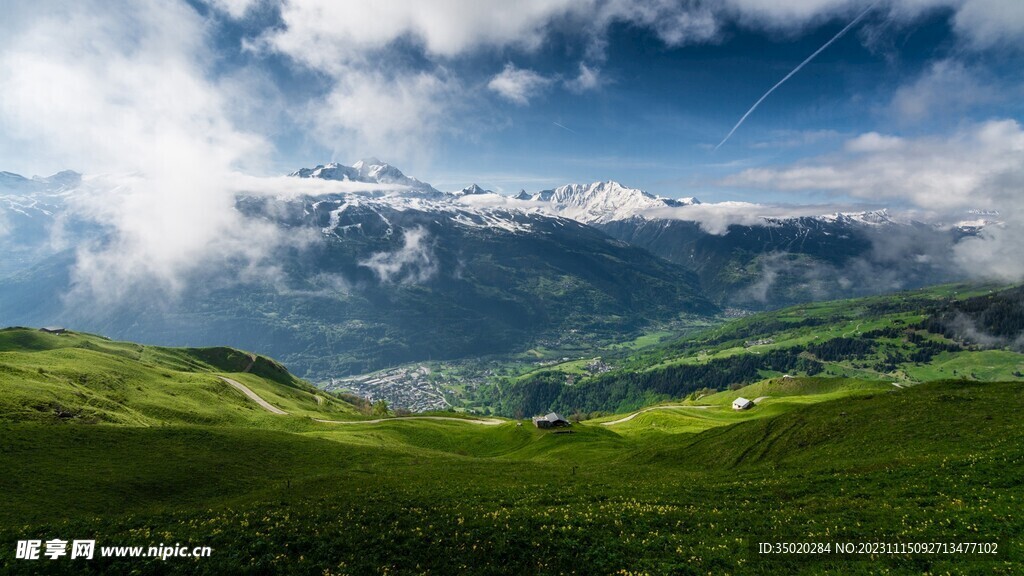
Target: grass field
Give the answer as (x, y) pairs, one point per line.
(165, 453)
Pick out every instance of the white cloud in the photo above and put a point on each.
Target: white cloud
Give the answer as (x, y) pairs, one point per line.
(326, 33)
(518, 85)
(588, 79)
(715, 218)
(234, 8)
(376, 103)
(873, 142)
(123, 90)
(377, 112)
(797, 138)
(289, 187)
(946, 89)
(989, 23)
(353, 42)
(995, 253)
(413, 263)
(977, 167)
(951, 172)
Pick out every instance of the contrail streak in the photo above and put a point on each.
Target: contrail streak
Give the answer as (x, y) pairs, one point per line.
(564, 128)
(795, 70)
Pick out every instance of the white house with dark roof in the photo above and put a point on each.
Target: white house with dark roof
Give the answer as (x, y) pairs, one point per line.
(742, 403)
(551, 420)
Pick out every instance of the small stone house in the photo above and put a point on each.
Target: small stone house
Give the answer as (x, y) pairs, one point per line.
(742, 403)
(551, 420)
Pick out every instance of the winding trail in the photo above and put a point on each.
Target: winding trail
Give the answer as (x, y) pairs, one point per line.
(482, 422)
(635, 414)
(253, 396)
(252, 362)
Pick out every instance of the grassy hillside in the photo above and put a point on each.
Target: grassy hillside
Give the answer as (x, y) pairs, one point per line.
(83, 378)
(674, 490)
(962, 332)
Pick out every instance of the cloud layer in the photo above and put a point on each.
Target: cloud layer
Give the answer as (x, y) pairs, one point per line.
(138, 92)
(413, 263)
(517, 85)
(978, 167)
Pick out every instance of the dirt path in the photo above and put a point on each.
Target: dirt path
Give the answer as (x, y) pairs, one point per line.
(759, 398)
(482, 422)
(635, 414)
(252, 361)
(857, 329)
(252, 395)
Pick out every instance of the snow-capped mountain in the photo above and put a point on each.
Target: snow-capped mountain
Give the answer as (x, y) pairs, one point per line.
(870, 218)
(472, 190)
(36, 196)
(600, 202)
(808, 256)
(742, 259)
(369, 170)
(28, 207)
(395, 274)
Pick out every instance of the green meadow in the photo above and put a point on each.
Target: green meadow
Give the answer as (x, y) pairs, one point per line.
(135, 445)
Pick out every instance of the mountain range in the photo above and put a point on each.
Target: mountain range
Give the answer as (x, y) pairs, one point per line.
(403, 271)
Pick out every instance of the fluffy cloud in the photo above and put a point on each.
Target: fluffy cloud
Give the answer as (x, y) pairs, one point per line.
(413, 263)
(331, 35)
(363, 50)
(393, 113)
(978, 167)
(947, 88)
(125, 90)
(873, 142)
(589, 78)
(963, 170)
(715, 218)
(517, 85)
(132, 88)
(988, 23)
(234, 8)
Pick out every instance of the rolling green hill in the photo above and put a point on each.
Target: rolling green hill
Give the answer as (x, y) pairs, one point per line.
(82, 378)
(149, 447)
(968, 332)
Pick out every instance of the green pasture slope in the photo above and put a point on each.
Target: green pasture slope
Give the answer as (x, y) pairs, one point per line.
(140, 446)
(908, 338)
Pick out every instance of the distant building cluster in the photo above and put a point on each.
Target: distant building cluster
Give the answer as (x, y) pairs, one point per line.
(410, 388)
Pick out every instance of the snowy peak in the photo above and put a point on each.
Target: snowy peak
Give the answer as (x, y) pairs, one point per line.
(870, 217)
(331, 171)
(601, 202)
(369, 170)
(473, 190)
(57, 182)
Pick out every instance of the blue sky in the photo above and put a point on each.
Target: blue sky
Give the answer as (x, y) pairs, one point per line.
(514, 95)
(655, 105)
(173, 108)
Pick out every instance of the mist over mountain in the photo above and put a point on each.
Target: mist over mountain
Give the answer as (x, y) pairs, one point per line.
(399, 271)
(792, 260)
(375, 278)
